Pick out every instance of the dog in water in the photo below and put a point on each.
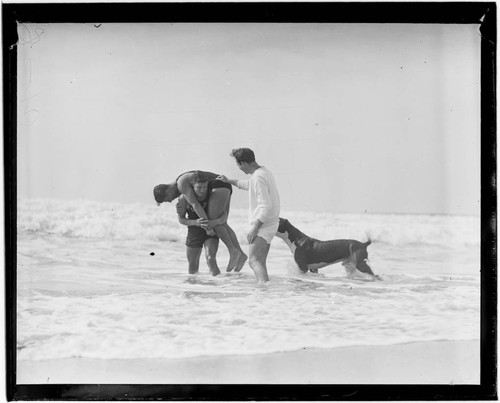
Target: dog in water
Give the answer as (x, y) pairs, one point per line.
(311, 254)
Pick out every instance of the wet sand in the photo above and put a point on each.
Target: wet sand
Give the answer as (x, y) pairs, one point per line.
(437, 362)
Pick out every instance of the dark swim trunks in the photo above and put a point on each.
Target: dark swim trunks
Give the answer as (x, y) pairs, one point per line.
(217, 184)
(197, 236)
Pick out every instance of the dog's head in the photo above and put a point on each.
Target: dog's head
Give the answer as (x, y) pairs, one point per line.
(282, 231)
(284, 224)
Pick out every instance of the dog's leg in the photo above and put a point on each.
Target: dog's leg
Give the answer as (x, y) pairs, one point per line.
(301, 263)
(349, 267)
(363, 267)
(358, 259)
(303, 268)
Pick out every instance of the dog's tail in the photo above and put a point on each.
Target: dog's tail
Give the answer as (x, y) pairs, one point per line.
(370, 238)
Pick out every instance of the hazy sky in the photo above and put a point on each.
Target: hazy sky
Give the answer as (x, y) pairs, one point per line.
(383, 118)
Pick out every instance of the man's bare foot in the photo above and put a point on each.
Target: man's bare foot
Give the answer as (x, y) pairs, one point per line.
(233, 260)
(241, 262)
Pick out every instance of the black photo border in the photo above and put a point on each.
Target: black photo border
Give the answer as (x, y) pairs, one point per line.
(482, 13)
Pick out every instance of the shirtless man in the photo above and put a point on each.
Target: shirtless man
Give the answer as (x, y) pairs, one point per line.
(219, 202)
(197, 237)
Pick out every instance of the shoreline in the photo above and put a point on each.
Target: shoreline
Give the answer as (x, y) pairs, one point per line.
(432, 362)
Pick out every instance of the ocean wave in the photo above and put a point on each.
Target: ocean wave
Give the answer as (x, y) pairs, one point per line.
(93, 220)
(119, 221)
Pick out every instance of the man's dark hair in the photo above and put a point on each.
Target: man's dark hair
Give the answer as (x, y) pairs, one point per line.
(243, 155)
(159, 192)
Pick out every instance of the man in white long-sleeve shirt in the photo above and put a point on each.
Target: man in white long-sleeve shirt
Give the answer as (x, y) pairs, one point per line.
(264, 208)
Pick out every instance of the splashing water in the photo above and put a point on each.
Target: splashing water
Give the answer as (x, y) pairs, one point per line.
(110, 281)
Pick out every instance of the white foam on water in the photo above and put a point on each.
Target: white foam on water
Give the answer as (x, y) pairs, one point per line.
(93, 220)
(89, 286)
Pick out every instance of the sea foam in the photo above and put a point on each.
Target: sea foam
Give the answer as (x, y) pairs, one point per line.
(115, 221)
(110, 280)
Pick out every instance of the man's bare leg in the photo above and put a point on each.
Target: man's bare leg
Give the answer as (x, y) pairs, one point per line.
(218, 203)
(211, 247)
(193, 257)
(259, 250)
(243, 257)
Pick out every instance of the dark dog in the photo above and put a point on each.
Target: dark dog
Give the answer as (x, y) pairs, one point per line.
(311, 254)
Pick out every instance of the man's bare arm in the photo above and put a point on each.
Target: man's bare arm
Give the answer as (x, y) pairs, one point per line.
(187, 190)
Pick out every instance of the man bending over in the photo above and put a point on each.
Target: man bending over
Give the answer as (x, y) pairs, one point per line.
(197, 236)
(219, 200)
